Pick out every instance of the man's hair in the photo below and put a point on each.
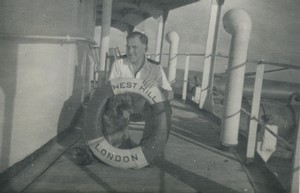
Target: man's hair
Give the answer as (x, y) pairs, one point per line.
(141, 36)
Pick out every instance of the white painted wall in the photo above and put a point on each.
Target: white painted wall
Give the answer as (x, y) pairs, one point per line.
(51, 17)
(41, 82)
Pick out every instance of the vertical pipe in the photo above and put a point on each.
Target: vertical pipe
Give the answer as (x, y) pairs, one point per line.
(105, 33)
(255, 111)
(159, 37)
(164, 19)
(83, 73)
(206, 100)
(296, 165)
(237, 23)
(173, 39)
(73, 52)
(185, 78)
(295, 182)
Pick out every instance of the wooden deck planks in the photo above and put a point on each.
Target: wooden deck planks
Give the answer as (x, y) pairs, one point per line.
(100, 177)
(191, 164)
(37, 167)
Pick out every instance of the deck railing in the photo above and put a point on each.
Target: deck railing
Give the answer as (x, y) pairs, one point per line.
(255, 120)
(254, 116)
(269, 130)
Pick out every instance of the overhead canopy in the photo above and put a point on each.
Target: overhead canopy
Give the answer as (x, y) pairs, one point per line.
(126, 14)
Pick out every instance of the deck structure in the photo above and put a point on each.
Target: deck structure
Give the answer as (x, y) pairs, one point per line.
(192, 162)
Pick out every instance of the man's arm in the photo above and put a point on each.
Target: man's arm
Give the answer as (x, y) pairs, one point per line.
(161, 82)
(167, 89)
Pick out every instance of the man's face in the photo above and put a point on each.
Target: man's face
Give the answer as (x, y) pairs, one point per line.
(135, 50)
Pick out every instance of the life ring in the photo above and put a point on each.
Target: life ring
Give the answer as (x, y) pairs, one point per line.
(137, 157)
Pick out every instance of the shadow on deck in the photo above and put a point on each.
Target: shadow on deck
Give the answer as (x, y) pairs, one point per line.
(192, 163)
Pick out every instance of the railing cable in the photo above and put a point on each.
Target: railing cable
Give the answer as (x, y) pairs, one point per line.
(287, 144)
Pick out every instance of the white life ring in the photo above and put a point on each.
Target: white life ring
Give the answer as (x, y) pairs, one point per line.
(137, 157)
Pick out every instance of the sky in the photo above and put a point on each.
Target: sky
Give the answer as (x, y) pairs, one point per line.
(274, 36)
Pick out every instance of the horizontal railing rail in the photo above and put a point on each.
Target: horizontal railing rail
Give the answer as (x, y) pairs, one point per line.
(45, 37)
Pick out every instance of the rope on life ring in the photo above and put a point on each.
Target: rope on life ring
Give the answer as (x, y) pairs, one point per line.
(142, 155)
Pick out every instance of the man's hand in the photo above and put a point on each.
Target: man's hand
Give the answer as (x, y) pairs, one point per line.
(149, 83)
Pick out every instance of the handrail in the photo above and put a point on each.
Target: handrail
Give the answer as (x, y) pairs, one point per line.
(249, 60)
(178, 54)
(293, 66)
(43, 37)
(287, 144)
(285, 66)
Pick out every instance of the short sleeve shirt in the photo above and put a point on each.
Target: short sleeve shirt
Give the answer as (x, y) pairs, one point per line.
(122, 68)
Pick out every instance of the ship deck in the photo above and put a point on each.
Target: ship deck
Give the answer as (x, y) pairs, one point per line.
(193, 162)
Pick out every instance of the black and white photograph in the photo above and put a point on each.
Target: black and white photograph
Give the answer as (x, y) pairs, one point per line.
(149, 96)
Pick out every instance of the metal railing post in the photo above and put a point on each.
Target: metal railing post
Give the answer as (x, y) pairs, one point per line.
(255, 111)
(105, 34)
(206, 99)
(185, 78)
(295, 182)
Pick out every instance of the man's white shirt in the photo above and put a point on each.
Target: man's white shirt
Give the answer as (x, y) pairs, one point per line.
(122, 68)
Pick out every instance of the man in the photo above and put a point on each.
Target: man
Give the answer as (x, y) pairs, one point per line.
(135, 64)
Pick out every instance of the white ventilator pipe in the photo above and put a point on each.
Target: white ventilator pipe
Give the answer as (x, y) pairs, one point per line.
(105, 31)
(237, 23)
(173, 39)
